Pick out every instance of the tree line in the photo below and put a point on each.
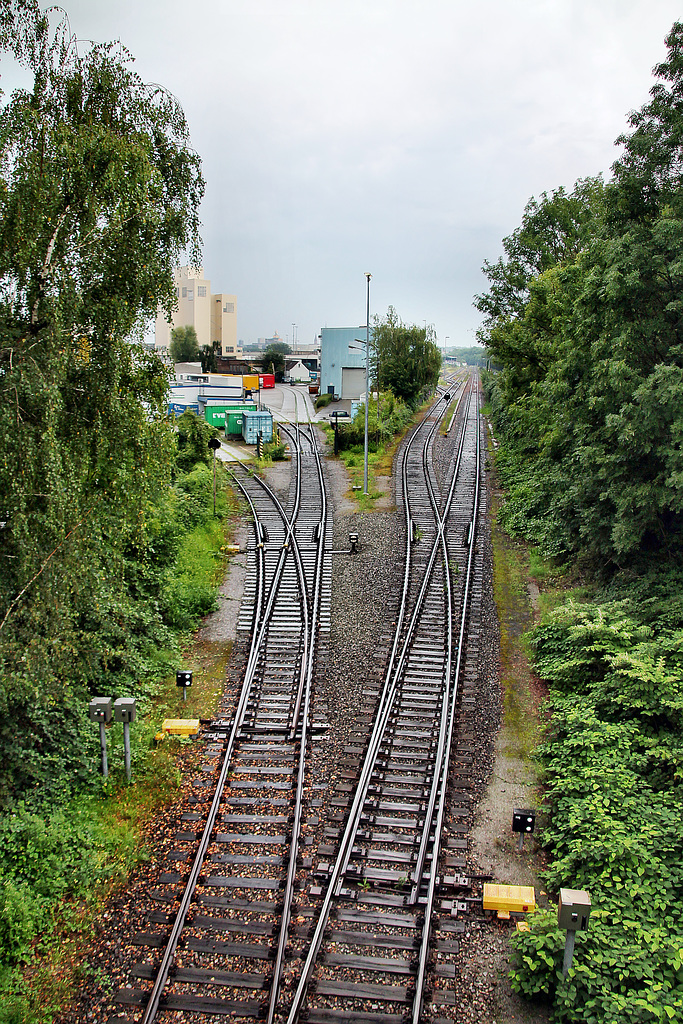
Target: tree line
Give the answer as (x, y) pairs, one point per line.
(99, 201)
(583, 317)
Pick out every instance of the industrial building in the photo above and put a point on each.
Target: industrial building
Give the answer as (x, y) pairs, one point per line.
(342, 361)
(213, 317)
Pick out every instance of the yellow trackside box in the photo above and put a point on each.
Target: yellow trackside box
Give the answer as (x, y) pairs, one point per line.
(250, 381)
(510, 899)
(181, 726)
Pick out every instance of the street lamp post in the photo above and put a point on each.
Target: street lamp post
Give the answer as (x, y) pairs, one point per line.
(367, 380)
(444, 352)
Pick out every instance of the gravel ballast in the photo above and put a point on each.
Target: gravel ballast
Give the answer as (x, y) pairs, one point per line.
(365, 590)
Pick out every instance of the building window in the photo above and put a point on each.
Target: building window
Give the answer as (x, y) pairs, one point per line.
(231, 348)
(190, 295)
(229, 307)
(201, 291)
(177, 293)
(184, 293)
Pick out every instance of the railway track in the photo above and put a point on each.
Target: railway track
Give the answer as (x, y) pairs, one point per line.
(242, 838)
(243, 932)
(376, 914)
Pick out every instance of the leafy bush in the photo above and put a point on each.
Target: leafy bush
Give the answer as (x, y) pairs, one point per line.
(394, 416)
(322, 401)
(537, 957)
(613, 769)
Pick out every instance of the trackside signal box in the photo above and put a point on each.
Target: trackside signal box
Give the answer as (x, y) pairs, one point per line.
(124, 709)
(574, 909)
(509, 899)
(180, 726)
(99, 709)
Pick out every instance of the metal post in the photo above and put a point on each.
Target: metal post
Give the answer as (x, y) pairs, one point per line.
(214, 483)
(367, 381)
(336, 434)
(521, 842)
(103, 746)
(568, 952)
(184, 693)
(126, 747)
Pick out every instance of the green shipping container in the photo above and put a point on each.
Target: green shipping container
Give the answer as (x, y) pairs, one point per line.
(228, 415)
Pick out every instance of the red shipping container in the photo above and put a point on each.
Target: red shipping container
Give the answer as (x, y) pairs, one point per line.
(266, 380)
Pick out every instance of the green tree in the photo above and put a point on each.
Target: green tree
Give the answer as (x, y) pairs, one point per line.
(209, 357)
(279, 346)
(590, 396)
(99, 200)
(274, 357)
(193, 440)
(406, 358)
(184, 346)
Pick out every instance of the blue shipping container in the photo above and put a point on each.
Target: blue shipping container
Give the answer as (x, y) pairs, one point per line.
(255, 423)
(178, 408)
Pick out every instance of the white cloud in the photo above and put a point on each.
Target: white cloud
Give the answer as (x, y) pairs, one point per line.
(404, 138)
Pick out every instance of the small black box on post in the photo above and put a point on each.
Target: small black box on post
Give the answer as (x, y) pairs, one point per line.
(183, 678)
(523, 820)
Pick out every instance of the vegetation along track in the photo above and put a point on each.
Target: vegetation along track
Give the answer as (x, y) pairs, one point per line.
(375, 940)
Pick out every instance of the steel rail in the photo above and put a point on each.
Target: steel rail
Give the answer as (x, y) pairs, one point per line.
(303, 683)
(305, 719)
(450, 687)
(424, 945)
(394, 673)
(346, 844)
(152, 1006)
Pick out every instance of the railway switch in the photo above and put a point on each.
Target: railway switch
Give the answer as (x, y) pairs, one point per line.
(99, 710)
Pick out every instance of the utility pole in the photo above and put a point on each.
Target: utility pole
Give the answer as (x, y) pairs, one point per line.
(367, 380)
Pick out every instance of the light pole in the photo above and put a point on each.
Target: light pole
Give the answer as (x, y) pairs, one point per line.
(367, 380)
(444, 353)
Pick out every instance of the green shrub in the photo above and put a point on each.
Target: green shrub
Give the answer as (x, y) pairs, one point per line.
(537, 956)
(23, 916)
(322, 401)
(613, 773)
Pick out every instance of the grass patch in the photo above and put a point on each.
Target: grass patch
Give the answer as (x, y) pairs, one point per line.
(384, 436)
(510, 576)
(62, 857)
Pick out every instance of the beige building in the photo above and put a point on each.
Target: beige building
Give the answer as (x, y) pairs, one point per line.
(224, 324)
(212, 316)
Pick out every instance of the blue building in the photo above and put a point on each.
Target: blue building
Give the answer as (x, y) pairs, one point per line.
(342, 361)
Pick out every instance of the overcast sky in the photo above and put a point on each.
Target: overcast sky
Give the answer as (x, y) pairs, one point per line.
(392, 136)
